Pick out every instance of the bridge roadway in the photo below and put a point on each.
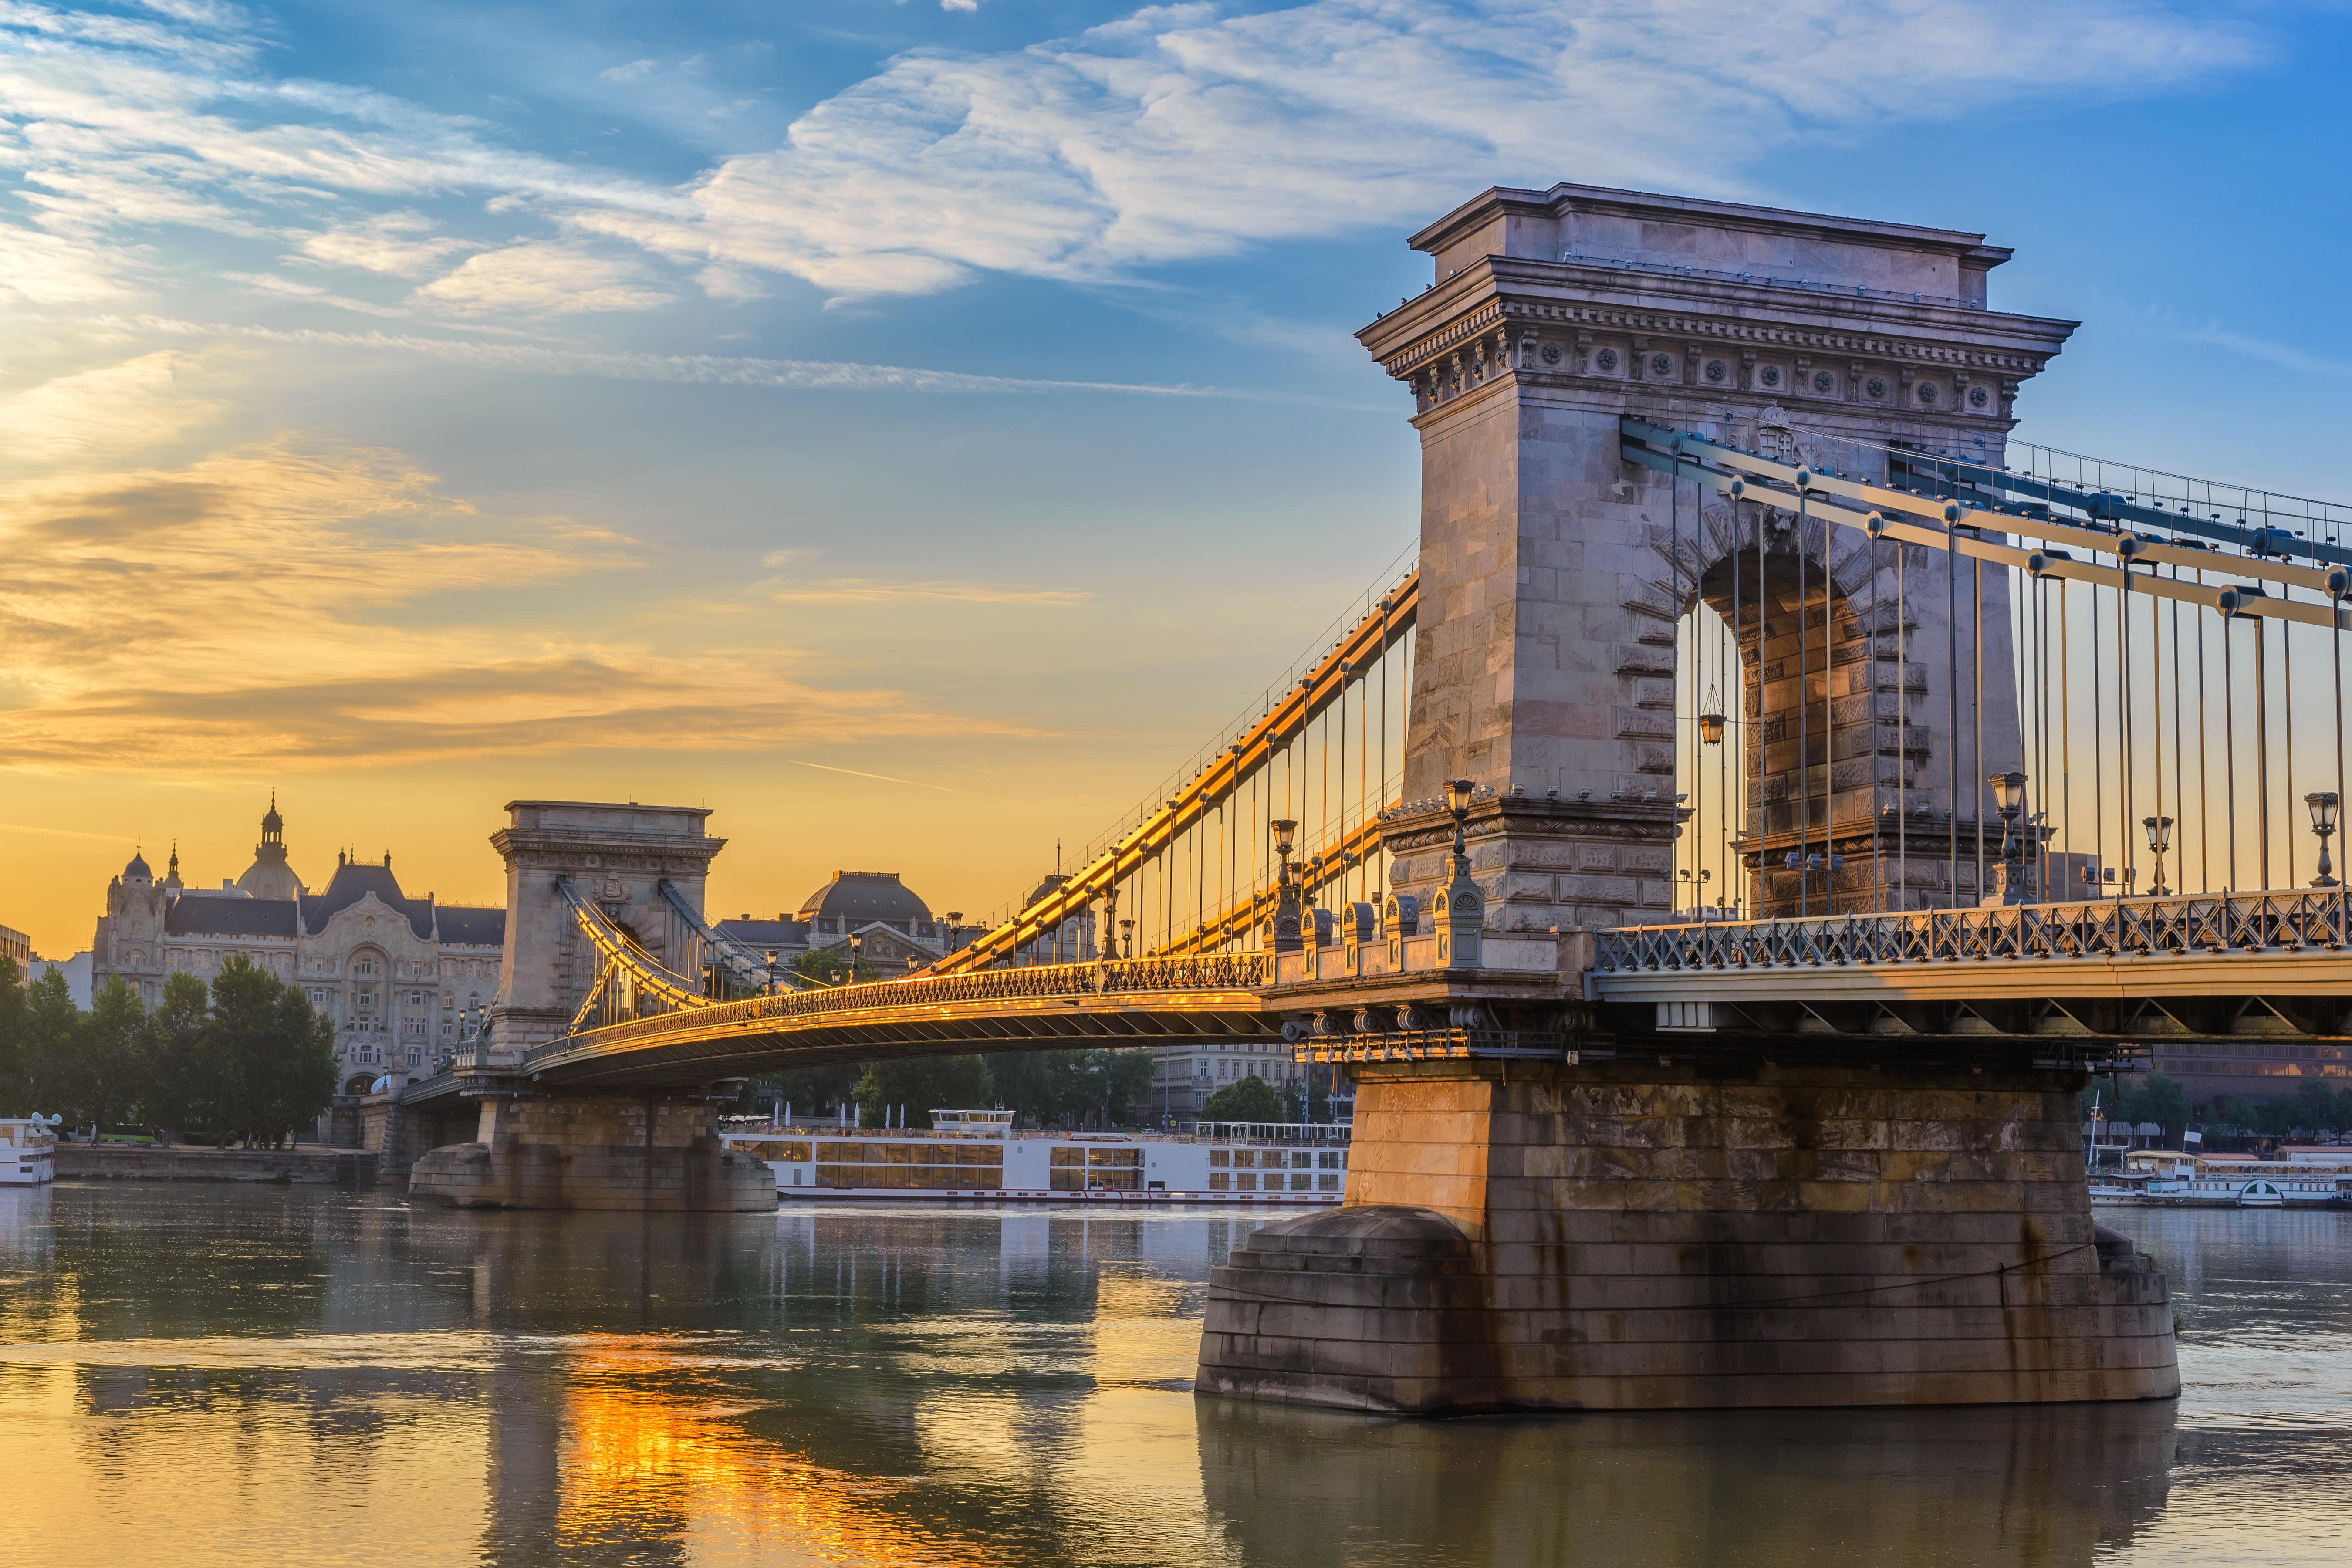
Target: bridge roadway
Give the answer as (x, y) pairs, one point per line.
(1130, 1002)
(2088, 975)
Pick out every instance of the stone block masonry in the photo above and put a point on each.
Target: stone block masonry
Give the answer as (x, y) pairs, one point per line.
(596, 1150)
(1609, 1235)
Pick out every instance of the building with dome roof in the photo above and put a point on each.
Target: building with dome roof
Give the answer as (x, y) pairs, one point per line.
(397, 973)
(889, 919)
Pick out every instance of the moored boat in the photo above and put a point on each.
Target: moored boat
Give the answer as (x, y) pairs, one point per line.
(27, 1150)
(970, 1154)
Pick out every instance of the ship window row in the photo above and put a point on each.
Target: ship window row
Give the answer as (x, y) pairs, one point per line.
(1251, 1182)
(1276, 1159)
(845, 1175)
(880, 1153)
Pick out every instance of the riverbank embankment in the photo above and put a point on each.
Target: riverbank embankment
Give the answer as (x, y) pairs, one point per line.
(310, 1164)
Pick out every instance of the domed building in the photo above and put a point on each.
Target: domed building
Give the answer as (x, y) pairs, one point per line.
(398, 974)
(890, 920)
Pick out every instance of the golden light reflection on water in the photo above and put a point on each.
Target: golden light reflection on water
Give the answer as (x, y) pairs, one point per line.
(648, 1458)
(970, 1387)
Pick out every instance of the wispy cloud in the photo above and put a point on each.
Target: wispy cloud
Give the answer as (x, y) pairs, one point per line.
(831, 375)
(2286, 356)
(883, 591)
(241, 611)
(1184, 131)
(1180, 132)
(105, 412)
(543, 279)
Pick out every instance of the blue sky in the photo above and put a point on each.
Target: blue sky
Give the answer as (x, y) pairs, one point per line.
(414, 407)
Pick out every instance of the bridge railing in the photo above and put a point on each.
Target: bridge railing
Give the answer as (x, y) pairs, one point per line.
(1050, 982)
(2283, 921)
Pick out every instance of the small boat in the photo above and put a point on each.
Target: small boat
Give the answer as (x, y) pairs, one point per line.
(27, 1150)
(2112, 1193)
(2261, 1193)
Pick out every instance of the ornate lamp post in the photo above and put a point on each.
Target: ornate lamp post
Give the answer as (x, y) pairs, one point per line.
(1109, 949)
(856, 947)
(1285, 891)
(1127, 938)
(2009, 799)
(1460, 908)
(771, 972)
(2159, 839)
(954, 918)
(2324, 804)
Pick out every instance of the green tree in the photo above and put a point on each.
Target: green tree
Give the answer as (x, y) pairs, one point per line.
(1045, 1086)
(921, 1084)
(2163, 1100)
(50, 1049)
(1251, 1098)
(276, 1056)
(110, 1071)
(1120, 1084)
(14, 1004)
(809, 1091)
(179, 1070)
(2310, 1110)
(1310, 1101)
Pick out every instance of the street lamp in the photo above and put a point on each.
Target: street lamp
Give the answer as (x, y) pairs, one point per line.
(1710, 723)
(2159, 839)
(772, 974)
(1287, 915)
(2009, 799)
(2324, 805)
(857, 947)
(1127, 938)
(954, 916)
(1109, 949)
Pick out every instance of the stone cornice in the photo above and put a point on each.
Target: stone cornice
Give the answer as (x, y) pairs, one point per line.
(1566, 296)
(612, 851)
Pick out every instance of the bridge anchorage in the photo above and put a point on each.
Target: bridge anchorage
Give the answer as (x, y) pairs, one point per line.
(1714, 856)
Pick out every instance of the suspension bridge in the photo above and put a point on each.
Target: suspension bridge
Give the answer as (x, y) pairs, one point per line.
(1717, 852)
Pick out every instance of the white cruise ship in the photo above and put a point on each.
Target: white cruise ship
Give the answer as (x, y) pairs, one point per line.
(981, 1154)
(27, 1148)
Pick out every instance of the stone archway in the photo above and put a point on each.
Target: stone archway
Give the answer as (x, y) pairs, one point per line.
(1812, 608)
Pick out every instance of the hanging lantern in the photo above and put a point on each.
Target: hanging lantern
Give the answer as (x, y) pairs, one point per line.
(1710, 723)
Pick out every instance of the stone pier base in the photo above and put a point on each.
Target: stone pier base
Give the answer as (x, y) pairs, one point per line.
(1614, 1237)
(595, 1151)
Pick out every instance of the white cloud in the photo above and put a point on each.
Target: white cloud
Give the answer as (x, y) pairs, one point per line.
(958, 5)
(105, 412)
(310, 294)
(399, 242)
(1182, 132)
(545, 279)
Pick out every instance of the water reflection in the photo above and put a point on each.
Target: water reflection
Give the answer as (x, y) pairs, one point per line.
(1990, 1486)
(295, 1371)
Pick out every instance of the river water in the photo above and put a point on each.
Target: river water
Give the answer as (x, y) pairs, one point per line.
(211, 1375)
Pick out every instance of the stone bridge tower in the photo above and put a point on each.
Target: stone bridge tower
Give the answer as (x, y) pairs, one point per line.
(617, 856)
(1549, 593)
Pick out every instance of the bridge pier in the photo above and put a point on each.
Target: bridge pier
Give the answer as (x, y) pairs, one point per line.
(1656, 1235)
(596, 1149)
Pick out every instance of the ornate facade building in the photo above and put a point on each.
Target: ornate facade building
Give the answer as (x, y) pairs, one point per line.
(397, 975)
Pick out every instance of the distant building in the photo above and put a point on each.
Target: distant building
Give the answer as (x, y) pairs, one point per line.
(891, 922)
(395, 973)
(77, 973)
(19, 946)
